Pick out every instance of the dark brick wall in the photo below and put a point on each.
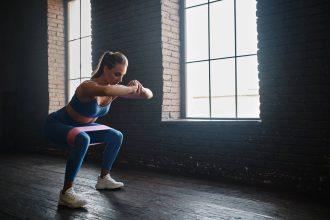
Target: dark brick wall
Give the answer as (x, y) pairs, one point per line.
(24, 94)
(34, 71)
(289, 148)
(8, 57)
(294, 78)
(133, 29)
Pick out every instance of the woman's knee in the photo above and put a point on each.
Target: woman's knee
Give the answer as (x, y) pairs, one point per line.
(82, 139)
(115, 136)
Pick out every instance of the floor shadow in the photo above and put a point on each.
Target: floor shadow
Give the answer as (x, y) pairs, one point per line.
(64, 212)
(123, 209)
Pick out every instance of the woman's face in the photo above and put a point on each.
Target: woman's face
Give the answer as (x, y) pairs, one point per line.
(114, 75)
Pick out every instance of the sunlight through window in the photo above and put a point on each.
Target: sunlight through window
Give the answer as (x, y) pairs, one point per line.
(79, 43)
(221, 65)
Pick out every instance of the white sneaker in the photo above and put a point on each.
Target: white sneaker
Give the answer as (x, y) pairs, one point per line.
(107, 183)
(71, 199)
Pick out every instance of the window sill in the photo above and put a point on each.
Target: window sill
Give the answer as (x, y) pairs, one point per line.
(210, 121)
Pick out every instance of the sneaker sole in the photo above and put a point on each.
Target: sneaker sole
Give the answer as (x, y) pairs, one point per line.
(61, 203)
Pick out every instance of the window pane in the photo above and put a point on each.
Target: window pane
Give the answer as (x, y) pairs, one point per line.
(196, 33)
(247, 87)
(74, 59)
(197, 81)
(194, 2)
(73, 84)
(222, 29)
(74, 18)
(223, 88)
(86, 18)
(246, 27)
(86, 57)
(85, 78)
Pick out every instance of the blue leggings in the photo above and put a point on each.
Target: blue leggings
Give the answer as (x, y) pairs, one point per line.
(57, 128)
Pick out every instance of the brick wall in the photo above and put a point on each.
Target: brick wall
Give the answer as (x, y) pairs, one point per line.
(170, 27)
(56, 55)
(33, 65)
(289, 148)
(8, 72)
(24, 94)
(294, 73)
(137, 34)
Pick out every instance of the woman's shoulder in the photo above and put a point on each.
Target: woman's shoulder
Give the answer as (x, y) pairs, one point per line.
(89, 81)
(86, 84)
(80, 90)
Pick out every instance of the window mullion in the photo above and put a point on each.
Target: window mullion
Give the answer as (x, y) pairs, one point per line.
(209, 52)
(80, 40)
(235, 58)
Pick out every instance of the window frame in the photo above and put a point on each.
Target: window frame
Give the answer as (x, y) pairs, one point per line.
(67, 50)
(183, 63)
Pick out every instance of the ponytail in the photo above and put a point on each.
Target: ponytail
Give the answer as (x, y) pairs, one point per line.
(109, 59)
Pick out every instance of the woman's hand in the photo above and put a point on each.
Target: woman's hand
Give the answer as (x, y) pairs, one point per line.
(138, 84)
(141, 92)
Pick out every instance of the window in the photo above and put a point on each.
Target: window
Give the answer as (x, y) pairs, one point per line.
(221, 66)
(79, 43)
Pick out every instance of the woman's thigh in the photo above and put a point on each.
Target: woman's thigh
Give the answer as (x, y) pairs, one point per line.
(57, 133)
(103, 136)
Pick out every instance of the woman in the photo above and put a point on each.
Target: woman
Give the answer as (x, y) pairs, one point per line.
(73, 127)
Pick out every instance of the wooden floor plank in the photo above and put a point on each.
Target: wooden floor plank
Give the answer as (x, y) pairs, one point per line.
(30, 185)
(169, 199)
(134, 203)
(184, 195)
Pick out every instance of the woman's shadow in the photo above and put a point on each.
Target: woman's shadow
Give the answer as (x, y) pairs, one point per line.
(64, 212)
(117, 200)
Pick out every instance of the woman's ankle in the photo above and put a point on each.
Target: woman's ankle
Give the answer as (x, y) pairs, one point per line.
(104, 173)
(66, 186)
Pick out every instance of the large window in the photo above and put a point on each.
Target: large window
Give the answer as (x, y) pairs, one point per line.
(221, 59)
(79, 43)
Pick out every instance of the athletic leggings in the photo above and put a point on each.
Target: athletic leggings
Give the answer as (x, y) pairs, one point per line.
(65, 133)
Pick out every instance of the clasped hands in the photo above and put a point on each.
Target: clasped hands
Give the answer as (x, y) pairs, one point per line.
(140, 88)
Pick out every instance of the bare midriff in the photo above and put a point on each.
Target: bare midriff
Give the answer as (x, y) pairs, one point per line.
(77, 117)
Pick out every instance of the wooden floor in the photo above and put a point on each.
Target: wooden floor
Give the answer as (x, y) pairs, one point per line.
(30, 184)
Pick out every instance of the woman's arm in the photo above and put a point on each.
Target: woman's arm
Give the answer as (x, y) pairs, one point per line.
(92, 89)
(147, 93)
(144, 94)
(141, 93)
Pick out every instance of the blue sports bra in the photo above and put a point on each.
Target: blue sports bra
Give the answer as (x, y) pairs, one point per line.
(89, 109)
